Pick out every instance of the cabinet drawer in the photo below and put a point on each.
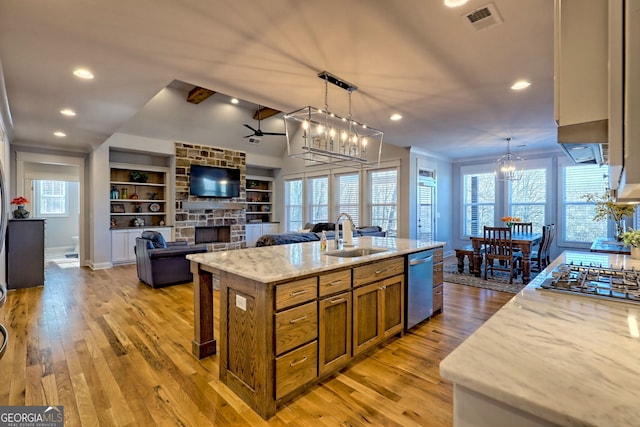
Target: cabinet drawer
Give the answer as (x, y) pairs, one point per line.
(296, 326)
(377, 271)
(438, 255)
(334, 282)
(438, 274)
(438, 298)
(292, 293)
(296, 368)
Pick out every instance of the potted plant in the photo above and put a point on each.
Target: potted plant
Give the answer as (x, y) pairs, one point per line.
(631, 238)
(607, 208)
(21, 212)
(139, 176)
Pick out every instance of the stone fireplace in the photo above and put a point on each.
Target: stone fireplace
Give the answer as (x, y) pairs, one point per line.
(219, 221)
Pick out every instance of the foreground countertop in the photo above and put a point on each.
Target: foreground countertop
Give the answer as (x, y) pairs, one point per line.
(274, 263)
(569, 359)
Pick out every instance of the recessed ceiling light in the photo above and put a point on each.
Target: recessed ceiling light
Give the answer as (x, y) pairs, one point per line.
(520, 84)
(395, 117)
(68, 112)
(60, 134)
(83, 73)
(234, 100)
(454, 3)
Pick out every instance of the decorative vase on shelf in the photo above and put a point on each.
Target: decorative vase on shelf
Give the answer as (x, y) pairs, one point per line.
(635, 252)
(21, 213)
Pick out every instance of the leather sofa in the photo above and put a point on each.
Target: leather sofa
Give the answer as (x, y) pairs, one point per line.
(160, 263)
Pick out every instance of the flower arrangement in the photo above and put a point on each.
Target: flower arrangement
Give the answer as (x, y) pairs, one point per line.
(631, 237)
(607, 208)
(20, 201)
(509, 220)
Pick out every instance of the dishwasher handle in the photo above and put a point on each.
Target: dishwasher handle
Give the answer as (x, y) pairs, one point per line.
(420, 261)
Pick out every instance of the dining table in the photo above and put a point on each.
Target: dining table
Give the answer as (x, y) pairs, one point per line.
(523, 241)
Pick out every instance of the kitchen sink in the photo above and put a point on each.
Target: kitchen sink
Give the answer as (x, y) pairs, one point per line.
(357, 252)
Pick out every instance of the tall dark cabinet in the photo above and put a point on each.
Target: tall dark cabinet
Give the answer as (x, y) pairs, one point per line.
(25, 253)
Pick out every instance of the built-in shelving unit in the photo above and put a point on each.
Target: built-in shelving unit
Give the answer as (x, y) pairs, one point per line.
(259, 192)
(138, 196)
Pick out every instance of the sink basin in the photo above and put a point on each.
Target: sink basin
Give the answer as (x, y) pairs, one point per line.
(356, 252)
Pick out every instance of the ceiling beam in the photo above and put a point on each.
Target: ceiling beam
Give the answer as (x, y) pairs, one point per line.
(198, 94)
(265, 113)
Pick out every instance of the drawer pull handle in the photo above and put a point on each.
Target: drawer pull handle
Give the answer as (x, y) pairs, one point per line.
(335, 282)
(299, 319)
(335, 301)
(292, 364)
(381, 271)
(382, 288)
(296, 293)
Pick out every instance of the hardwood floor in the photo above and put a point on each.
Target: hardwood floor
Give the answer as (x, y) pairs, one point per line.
(113, 351)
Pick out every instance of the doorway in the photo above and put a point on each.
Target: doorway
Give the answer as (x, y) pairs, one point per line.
(54, 186)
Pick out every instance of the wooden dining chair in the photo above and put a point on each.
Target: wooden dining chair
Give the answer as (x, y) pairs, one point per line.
(498, 252)
(541, 257)
(522, 227)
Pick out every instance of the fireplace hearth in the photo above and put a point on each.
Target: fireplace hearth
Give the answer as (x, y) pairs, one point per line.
(215, 234)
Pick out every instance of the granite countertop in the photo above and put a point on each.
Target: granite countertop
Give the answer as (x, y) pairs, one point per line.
(569, 359)
(269, 264)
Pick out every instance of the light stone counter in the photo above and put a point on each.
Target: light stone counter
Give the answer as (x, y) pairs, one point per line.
(550, 358)
(269, 264)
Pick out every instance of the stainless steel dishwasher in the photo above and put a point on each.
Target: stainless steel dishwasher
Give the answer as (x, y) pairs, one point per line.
(419, 292)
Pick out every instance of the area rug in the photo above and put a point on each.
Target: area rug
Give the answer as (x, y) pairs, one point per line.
(499, 282)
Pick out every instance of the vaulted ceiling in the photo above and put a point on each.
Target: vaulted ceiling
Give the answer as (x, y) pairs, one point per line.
(449, 81)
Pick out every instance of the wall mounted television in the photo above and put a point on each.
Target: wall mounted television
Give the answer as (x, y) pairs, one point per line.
(211, 181)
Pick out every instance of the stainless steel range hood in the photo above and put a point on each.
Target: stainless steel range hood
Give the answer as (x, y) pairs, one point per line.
(585, 143)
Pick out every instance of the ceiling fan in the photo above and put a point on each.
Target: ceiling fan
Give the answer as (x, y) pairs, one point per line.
(258, 132)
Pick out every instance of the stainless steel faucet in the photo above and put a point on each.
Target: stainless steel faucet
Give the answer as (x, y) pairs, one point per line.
(337, 236)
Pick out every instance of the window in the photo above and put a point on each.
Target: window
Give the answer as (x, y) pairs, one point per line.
(318, 199)
(528, 197)
(383, 194)
(479, 192)
(578, 214)
(52, 198)
(348, 195)
(293, 204)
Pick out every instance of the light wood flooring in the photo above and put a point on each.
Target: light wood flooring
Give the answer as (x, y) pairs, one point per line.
(115, 352)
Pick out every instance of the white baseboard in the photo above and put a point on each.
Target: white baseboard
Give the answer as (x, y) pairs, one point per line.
(100, 265)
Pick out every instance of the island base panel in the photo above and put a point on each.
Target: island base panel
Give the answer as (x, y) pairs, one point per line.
(204, 343)
(201, 350)
(472, 409)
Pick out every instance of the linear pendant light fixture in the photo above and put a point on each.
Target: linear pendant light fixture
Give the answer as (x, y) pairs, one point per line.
(509, 167)
(320, 136)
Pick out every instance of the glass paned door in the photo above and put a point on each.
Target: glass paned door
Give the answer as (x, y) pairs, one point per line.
(426, 205)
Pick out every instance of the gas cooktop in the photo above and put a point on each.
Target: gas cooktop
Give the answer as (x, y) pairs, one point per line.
(595, 280)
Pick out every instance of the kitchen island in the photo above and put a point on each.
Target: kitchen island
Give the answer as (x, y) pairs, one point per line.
(551, 358)
(291, 315)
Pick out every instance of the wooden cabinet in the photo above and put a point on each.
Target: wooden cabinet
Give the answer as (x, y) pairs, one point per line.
(139, 195)
(255, 230)
(438, 280)
(334, 339)
(123, 241)
(25, 253)
(259, 194)
(378, 312)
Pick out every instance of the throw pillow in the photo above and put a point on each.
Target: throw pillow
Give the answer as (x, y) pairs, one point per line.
(156, 239)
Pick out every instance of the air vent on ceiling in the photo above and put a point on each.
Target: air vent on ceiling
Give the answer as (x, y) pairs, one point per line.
(253, 140)
(484, 17)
